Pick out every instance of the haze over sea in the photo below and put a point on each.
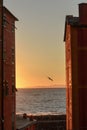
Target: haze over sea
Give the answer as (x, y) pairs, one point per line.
(41, 101)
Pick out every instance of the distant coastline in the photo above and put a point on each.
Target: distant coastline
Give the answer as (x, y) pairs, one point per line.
(43, 87)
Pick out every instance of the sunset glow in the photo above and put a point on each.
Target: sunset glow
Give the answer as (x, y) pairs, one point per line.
(40, 51)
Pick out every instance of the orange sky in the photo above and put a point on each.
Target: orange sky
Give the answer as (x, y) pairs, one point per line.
(40, 50)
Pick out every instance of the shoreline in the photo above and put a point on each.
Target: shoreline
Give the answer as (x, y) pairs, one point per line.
(47, 117)
(48, 122)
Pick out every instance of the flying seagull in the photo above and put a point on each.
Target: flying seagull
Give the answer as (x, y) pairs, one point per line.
(50, 78)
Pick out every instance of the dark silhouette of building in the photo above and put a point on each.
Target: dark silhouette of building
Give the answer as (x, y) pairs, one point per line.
(1, 81)
(75, 38)
(7, 74)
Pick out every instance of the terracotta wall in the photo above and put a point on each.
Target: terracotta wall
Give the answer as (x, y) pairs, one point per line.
(32, 127)
(9, 71)
(82, 76)
(0, 64)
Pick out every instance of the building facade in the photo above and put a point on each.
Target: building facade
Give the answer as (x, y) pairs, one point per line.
(75, 38)
(1, 80)
(8, 72)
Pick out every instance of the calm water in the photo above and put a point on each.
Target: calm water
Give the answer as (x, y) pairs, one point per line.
(41, 101)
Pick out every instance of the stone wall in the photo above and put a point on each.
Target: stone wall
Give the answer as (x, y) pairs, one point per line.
(50, 122)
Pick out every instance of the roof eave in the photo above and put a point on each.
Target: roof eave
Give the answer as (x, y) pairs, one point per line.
(16, 19)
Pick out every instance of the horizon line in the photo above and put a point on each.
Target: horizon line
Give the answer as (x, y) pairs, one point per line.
(55, 86)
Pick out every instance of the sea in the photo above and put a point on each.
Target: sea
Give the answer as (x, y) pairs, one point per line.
(41, 101)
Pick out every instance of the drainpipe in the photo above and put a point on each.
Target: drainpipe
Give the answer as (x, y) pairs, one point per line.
(1, 65)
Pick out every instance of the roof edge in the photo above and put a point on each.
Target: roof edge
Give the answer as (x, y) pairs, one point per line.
(82, 4)
(16, 19)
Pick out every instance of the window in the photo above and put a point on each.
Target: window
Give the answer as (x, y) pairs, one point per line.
(13, 88)
(13, 27)
(13, 84)
(13, 50)
(5, 22)
(13, 55)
